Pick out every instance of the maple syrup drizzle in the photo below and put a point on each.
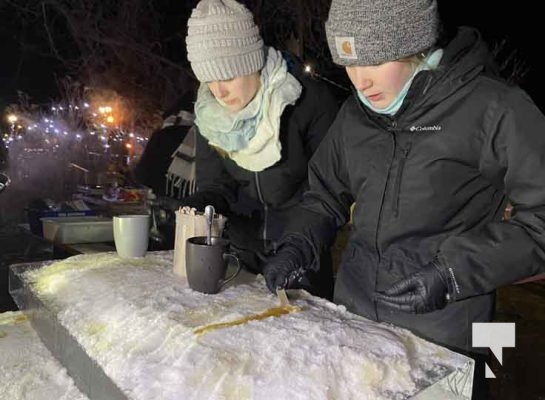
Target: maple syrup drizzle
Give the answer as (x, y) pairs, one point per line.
(271, 312)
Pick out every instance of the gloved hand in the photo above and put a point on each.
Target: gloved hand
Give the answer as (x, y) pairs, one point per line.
(283, 269)
(422, 292)
(167, 203)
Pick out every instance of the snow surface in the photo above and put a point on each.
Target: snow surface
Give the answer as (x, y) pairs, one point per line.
(28, 371)
(137, 320)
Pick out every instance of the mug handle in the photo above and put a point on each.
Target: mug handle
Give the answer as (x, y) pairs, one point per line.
(234, 275)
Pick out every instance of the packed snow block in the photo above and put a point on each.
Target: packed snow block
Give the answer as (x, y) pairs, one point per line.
(88, 376)
(28, 371)
(141, 332)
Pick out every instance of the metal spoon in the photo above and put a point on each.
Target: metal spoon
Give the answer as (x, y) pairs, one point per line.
(209, 215)
(155, 234)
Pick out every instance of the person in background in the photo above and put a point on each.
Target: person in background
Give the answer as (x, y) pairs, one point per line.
(429, 147)
(167, 163)
(4, 156)
(259, 119)
(167, 167)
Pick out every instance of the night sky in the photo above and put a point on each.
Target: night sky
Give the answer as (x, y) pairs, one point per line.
(22, 68)
(518, 26)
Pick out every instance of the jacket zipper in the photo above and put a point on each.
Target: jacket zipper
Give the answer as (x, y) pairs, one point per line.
(397, 187)
(390, 129)
(265, 207)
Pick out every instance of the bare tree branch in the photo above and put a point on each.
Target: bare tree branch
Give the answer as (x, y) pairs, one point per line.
(115, 45)
(48, 32)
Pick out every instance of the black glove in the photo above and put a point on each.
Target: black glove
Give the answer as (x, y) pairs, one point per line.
(167, 204)
(422, 292)
(284, 268)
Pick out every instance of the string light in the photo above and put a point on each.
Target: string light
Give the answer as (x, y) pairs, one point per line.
(80, 122)
(309, 70)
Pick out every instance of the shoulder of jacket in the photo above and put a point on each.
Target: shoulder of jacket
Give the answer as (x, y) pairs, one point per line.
(315, 97)
(350, 107)
(501, 95)
(347, 117)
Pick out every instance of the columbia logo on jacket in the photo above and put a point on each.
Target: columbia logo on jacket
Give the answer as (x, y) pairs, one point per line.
(418, 128)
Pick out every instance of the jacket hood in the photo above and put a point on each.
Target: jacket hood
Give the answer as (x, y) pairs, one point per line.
(465, 57)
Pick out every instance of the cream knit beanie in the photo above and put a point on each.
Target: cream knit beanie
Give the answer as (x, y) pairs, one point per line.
(223, 41)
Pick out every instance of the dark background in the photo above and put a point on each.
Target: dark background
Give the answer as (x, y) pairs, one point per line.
(26, 67)
(516, 24)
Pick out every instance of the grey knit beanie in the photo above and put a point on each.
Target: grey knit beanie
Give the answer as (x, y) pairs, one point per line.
(371, 32)
(223, 41)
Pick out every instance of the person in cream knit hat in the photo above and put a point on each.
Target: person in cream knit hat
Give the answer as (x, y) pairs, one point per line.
(223, 42)
(259, 122)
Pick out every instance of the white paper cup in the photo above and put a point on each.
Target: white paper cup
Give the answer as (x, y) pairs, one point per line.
(131, 234)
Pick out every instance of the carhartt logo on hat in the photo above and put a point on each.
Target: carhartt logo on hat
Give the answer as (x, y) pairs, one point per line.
(346, 48)
(372, 32)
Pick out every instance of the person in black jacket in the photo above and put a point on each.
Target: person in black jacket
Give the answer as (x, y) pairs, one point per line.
(259, 119)
(429, 148)
(166, 165)
(4, 156)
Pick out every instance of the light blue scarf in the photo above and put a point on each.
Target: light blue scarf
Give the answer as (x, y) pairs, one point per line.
(229, 131)
(233, 132)
(430, 62)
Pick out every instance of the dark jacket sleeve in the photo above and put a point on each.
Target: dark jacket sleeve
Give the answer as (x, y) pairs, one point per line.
(322, 107)
(3, 156)
(157, 157)
(147, 172)
(505, 251)
(215, 185)
(326, 205)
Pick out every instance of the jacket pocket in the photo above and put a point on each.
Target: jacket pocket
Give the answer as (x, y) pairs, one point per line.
(395, 268)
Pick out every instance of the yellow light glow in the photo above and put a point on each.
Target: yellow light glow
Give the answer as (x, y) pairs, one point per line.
(128, 146)
(110, 119)
(12, 118)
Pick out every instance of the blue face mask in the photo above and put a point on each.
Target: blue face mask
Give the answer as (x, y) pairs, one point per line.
(430, 62)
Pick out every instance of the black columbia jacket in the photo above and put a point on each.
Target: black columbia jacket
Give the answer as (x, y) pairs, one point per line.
(432, 182)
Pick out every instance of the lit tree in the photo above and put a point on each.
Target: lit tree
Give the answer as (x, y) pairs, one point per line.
(118, 45)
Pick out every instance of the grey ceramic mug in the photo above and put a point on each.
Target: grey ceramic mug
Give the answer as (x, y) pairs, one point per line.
(206, 265)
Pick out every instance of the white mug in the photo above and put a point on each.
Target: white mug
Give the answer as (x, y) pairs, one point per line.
(131, 234)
